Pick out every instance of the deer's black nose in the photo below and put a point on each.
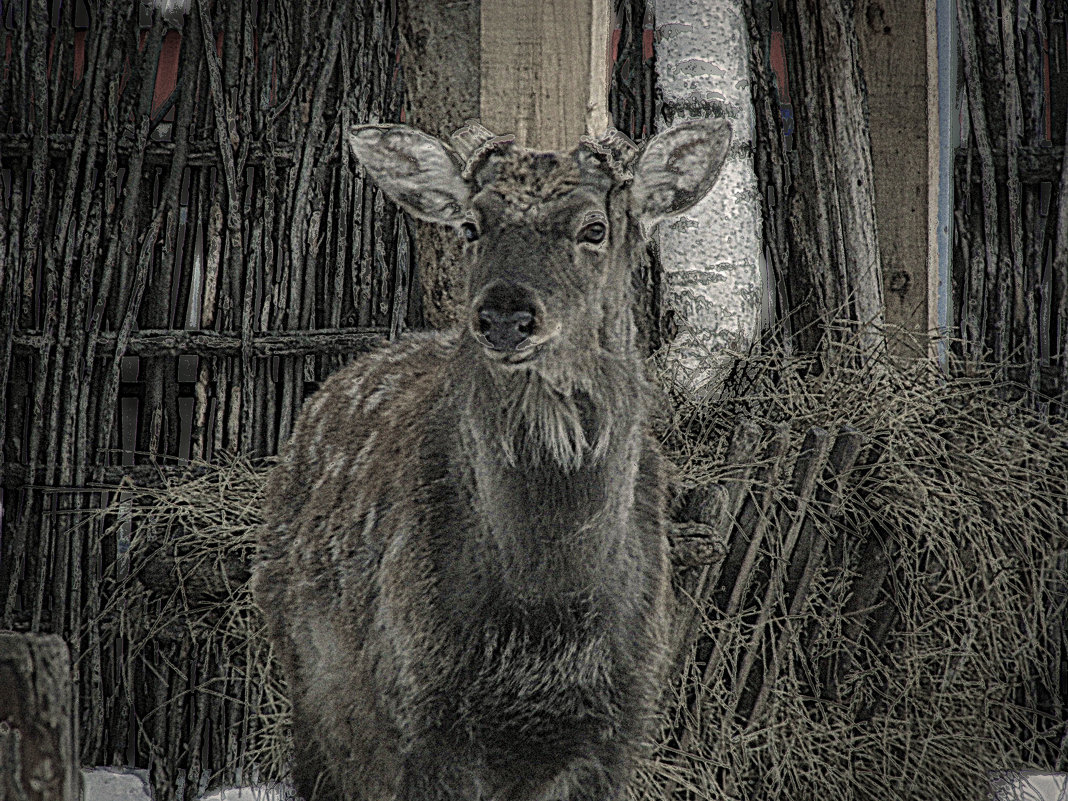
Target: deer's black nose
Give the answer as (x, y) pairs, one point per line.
(505, 329)
(506, 315)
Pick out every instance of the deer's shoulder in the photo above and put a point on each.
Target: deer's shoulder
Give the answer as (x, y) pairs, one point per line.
(374, 379)
(362, 407)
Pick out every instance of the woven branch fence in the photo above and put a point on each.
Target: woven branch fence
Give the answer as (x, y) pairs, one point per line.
(1010, 256)
(179, 268)
(1009, 285)
(186, 251)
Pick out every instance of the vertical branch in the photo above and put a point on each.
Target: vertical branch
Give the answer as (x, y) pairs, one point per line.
(1023, 310)
(92, 440)
(1060, 273)
(825, 36)
(9, 261)
(343, 193)
(122, 242)
(401, 275)
(39, 128)
(81, 235)
(66, 382)
(227, 139)
(793, 290)
(210, 220)
(253, 266)
(978, 117)
(272, 304)
(301, 241)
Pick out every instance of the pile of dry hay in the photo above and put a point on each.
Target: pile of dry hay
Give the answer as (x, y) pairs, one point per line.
(959, 671)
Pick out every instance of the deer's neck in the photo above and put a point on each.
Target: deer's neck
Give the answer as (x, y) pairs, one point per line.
(553, 468)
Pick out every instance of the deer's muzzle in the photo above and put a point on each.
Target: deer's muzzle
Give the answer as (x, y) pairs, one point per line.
(507, 318)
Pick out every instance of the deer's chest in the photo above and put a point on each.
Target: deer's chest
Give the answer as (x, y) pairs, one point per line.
(529, 670)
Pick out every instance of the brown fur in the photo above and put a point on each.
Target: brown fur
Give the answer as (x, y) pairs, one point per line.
(464, 569)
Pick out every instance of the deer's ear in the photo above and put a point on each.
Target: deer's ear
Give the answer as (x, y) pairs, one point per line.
(678, 167)
(418, 172)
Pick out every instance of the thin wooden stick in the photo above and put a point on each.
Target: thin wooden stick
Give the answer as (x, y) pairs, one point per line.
(38, 127)
(842, 457)
(806, 469)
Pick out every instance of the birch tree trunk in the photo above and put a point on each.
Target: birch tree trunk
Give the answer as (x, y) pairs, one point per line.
(711, 255)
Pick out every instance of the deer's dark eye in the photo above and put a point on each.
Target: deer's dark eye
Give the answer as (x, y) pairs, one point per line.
(593, 232)
(470, 231)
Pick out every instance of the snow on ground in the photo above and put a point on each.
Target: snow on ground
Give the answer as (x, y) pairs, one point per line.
(1030, 785)
(128, 784)
(115, 784)
(256, 793)
(121, 784)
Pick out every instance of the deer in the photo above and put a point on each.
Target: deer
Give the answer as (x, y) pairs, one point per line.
(464, 569)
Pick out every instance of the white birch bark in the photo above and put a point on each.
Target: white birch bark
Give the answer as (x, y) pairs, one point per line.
(712, 254)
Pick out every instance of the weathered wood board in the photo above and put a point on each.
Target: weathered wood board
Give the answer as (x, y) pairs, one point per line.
(37, 737)
(536, 79)
(893, 45)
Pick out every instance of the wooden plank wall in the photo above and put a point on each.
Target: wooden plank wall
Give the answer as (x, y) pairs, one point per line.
(535, 68)
(893, 54)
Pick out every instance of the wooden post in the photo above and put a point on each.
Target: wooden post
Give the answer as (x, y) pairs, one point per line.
(37, 737)
(541, 79)
(892, 38)
(440, 54)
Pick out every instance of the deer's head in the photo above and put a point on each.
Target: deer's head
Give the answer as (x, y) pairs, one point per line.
(548, 236)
